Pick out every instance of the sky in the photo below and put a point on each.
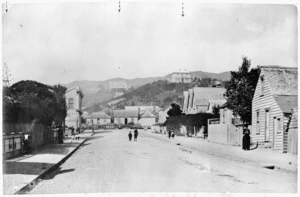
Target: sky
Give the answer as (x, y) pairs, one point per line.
(57, 43)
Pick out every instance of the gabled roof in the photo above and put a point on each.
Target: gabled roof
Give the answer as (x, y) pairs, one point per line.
(286, 103)
(282, 80)
(203, 94)
(217, 103)
(147, 114)
(173, 102)
(100, 114)
(125, 113)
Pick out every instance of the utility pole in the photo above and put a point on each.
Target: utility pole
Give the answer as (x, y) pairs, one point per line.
(6, 75)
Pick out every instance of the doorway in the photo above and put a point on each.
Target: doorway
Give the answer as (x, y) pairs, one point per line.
(267, 123)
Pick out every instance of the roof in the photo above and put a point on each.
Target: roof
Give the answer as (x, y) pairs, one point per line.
(126, 113)
(202, 95)
(173, 102)
(294, 119)
(77, 88)
(147, 114)
(286, 103)
(100, 114)
(282, 80)
(217, 103)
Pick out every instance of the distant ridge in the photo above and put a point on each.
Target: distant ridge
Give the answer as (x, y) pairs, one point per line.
(97, 91)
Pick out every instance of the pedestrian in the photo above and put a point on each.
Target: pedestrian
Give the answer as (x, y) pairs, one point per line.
(130, 135)
(246, 139)
(135, 134)
(169, 133)
(77, 136)
(26, 144)
(173, 134)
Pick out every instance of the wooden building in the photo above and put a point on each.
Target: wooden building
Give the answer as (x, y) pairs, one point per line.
(275, 95)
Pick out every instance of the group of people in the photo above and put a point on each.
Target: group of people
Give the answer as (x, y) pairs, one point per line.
(171, 133)
(135, 133)
(75, 135)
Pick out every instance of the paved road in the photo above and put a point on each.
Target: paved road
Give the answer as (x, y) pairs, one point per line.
(109, 163)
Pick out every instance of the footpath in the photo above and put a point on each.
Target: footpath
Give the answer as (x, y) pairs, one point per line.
(266, 158)
(21, 174)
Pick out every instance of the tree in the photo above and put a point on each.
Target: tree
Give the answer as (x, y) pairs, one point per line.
(175, 110)
(240, 90)
(31, 101)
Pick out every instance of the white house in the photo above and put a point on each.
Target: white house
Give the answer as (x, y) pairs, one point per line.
(74, 98)
(181, 77)
(98, 119)
(276, 93)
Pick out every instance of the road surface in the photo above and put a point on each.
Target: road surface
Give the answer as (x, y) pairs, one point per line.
(108, 162)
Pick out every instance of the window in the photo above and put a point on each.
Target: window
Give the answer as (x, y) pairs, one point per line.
(262, 86)
(257, 121)
(71, 103)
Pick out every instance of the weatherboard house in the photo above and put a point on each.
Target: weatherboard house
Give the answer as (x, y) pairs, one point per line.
(274, 103)
(98, 119)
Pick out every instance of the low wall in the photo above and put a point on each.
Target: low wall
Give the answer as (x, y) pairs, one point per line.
(234, 135)
(39, 134)
(217, 133)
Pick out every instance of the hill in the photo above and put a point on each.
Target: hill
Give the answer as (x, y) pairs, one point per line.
(98, 91)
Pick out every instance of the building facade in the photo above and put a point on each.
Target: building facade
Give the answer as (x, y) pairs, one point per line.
(181, 77)
(275, 95)
(197, 99)
(74, 98)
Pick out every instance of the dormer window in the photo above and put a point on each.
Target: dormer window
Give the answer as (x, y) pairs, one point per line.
(262, 86)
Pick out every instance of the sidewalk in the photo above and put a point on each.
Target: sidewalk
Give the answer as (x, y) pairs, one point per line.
(22, 173)
(261, 157)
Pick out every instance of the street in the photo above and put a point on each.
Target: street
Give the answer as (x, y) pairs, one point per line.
(108, 162)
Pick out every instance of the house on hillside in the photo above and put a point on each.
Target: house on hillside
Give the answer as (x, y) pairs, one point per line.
(163, 113)
(275, 95)
(74, 98)
(97, 119)
(196, 100)
(181, 77)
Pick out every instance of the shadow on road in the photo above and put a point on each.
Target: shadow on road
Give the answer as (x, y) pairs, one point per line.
(93, 137)
(32, 168)
(58, 171)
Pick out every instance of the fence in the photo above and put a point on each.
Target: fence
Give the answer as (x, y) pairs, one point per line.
(13, 135)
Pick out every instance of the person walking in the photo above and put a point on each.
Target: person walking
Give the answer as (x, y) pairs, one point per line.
(135, 135)
(130, 136)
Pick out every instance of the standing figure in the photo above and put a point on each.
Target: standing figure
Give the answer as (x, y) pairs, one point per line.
(135, 134)
(130, 135)
(173, 134)
(246, 139)
(169, 133)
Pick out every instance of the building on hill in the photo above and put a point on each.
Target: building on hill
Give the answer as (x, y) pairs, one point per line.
(97, 119)
(74, 98)
(117, 86)
(275, 95)
(197, 99)
(181, 77)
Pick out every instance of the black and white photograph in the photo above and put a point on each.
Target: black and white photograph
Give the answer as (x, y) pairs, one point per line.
(141, 97)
